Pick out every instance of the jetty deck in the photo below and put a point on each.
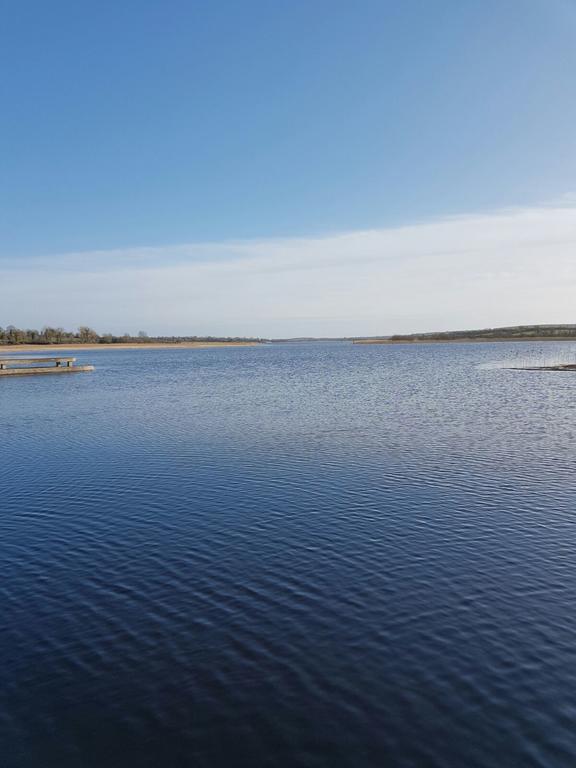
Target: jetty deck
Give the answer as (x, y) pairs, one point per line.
(25, 366)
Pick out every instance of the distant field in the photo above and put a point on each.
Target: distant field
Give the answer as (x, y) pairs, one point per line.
(514, 333)
(463, 339)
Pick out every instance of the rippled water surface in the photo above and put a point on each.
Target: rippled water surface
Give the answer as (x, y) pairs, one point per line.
(292, 555)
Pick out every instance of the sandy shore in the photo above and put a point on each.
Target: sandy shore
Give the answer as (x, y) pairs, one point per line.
(7, 348)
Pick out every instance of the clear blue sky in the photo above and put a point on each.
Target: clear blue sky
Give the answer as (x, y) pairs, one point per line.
(183, 166)
(149, 122)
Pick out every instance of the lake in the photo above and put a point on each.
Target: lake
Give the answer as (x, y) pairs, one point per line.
(323, 555)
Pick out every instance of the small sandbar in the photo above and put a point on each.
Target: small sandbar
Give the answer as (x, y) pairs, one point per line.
(568, 367)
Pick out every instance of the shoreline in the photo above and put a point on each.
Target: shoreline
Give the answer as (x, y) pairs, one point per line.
(464, 340)
(6, 348)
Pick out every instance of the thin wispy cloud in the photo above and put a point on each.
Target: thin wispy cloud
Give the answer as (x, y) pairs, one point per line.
(505, 267)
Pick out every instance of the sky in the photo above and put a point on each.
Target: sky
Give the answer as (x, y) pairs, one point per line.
(287, 167)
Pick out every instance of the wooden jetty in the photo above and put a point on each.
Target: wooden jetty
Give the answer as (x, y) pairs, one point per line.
(25, 366)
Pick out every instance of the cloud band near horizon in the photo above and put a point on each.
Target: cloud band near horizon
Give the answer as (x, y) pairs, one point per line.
(515, 266)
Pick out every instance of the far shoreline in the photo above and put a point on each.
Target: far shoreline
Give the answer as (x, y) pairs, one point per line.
(6, 348)
(465, 340)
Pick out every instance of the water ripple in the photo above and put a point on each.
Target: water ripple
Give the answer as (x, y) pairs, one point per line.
(302, 555)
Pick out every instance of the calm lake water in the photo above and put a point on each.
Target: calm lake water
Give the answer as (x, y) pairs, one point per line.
(319, 555)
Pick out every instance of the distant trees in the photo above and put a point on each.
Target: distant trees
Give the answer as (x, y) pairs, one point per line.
(48, 335)
(85, 335)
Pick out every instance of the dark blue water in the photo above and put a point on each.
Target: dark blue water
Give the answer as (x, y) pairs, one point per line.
(313, 555)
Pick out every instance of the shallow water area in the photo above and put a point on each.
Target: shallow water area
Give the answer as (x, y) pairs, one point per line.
(316, 554)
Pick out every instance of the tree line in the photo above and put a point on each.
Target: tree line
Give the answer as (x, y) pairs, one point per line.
(513, 332)
(86, 335)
